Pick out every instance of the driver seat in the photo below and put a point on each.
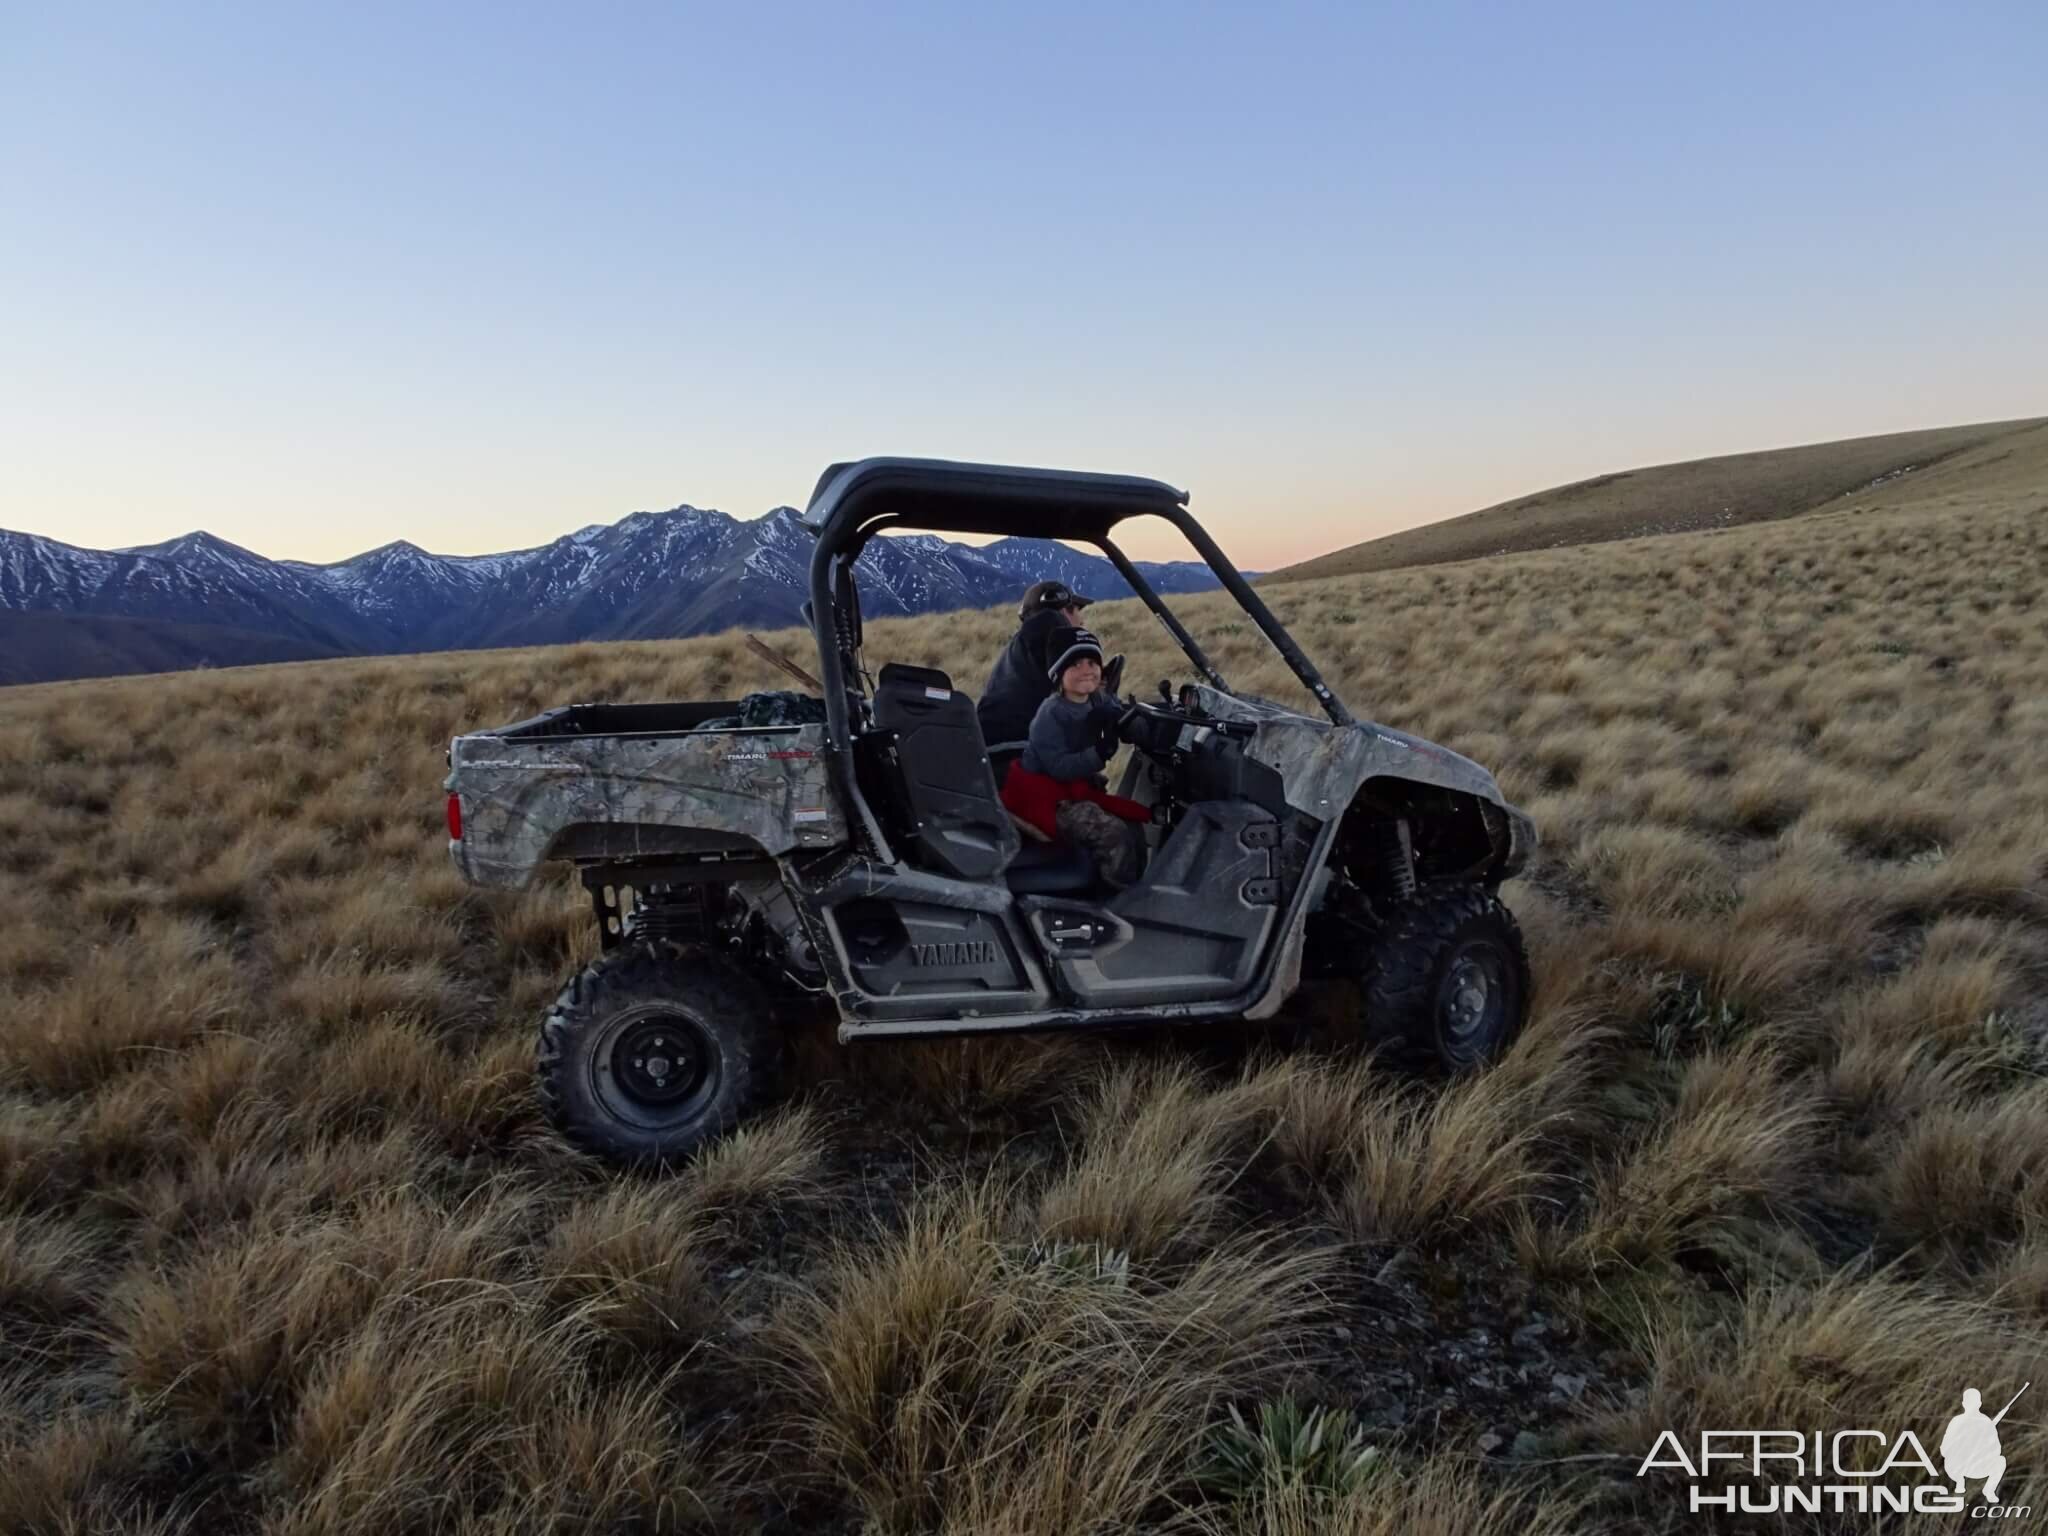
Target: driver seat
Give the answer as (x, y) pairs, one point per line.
(1050, 869)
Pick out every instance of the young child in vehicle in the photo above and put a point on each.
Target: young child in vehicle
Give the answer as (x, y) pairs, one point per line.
(1073, 736)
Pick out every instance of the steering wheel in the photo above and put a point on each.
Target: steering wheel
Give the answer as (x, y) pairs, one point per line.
(1152, 727)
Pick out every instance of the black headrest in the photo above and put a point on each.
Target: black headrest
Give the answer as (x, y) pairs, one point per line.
(914, 677)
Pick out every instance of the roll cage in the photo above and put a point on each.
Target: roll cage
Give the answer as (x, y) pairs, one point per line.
(853, 502)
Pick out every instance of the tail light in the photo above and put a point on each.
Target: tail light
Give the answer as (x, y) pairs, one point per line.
(455, 817)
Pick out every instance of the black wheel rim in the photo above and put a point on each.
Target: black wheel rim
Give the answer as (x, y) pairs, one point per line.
(1473, 996)
(654, 1068)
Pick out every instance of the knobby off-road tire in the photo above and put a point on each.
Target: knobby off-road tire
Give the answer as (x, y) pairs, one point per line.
(1450, 975)
(654, 1050)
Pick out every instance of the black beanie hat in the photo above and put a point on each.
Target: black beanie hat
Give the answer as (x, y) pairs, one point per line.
(1070, 645)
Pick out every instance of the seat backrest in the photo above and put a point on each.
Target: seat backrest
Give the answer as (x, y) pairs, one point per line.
(958, 824)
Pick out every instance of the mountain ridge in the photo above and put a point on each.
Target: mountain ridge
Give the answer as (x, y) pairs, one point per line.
(201, 600)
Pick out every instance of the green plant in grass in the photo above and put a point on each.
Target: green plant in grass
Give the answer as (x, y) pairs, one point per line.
(1092, 1263)
(2012, 1047)
(1286, 1445)
(1689, 1018)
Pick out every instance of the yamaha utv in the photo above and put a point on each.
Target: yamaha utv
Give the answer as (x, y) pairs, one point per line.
(862, 857)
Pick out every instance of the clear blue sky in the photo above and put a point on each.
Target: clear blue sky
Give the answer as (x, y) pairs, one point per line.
(315, 278)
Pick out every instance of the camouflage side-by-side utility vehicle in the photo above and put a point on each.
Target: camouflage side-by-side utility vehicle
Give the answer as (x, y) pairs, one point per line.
(862, 856)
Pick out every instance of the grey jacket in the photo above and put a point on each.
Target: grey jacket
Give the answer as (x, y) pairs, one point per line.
(1062, 744)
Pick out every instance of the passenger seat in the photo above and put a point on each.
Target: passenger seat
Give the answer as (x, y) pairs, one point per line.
(958, 826)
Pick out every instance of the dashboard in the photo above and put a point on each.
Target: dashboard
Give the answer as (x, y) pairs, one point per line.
(1201, 756)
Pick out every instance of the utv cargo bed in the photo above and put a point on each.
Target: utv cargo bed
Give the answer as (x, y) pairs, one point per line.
(606, 782)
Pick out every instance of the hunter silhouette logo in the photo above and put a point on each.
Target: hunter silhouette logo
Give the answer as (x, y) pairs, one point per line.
(1969, 1446)
(1844, 1471)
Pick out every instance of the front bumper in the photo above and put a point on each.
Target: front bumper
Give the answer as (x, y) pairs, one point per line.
(1514, 840)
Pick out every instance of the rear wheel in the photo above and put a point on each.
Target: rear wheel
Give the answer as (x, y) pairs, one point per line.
(1451, 976)
(654, 1050)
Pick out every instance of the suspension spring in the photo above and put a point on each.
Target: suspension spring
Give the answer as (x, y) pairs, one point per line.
(1390, 863)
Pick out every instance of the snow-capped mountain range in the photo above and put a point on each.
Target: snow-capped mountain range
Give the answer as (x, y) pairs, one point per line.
(198, 600)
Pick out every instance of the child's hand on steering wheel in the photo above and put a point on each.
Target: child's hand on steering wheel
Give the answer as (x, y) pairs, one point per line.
(1106, 740)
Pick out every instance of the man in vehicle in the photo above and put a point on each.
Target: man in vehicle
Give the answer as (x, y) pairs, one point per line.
(1020, 681)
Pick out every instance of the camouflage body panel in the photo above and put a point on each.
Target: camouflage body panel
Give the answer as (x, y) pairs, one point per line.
(526, 800)
(1322, 766)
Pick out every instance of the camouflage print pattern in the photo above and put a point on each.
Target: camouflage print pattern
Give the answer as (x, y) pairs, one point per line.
(780, 706)
(523, 798)
(1322, 766)
(1113, 841)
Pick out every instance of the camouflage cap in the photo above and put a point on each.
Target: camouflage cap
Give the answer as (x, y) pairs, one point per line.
(1043, 596)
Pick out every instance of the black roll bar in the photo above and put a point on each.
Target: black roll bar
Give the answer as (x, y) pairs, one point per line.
(1135, 580)
(1253, 604)
(832, 668)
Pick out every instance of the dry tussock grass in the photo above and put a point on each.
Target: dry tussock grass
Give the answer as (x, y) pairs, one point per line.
(1736, 1149)
(1852, 1350)
(962, 1375)
(1160, 1150)
(478, 1415)
(1422, 1168)
(284, 1247)
(1440, 1497)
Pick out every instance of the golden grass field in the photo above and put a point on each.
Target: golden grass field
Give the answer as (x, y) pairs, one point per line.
(285, 1248)
(1988, 460)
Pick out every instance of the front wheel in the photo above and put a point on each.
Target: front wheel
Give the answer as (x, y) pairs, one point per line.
(1451, 975)
(654, 1050)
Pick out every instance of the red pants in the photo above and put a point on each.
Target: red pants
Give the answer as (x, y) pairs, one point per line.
(1037, 799)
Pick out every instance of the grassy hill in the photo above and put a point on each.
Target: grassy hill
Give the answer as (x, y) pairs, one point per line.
(34, 645)
(286, 1247)
(1974, 463)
